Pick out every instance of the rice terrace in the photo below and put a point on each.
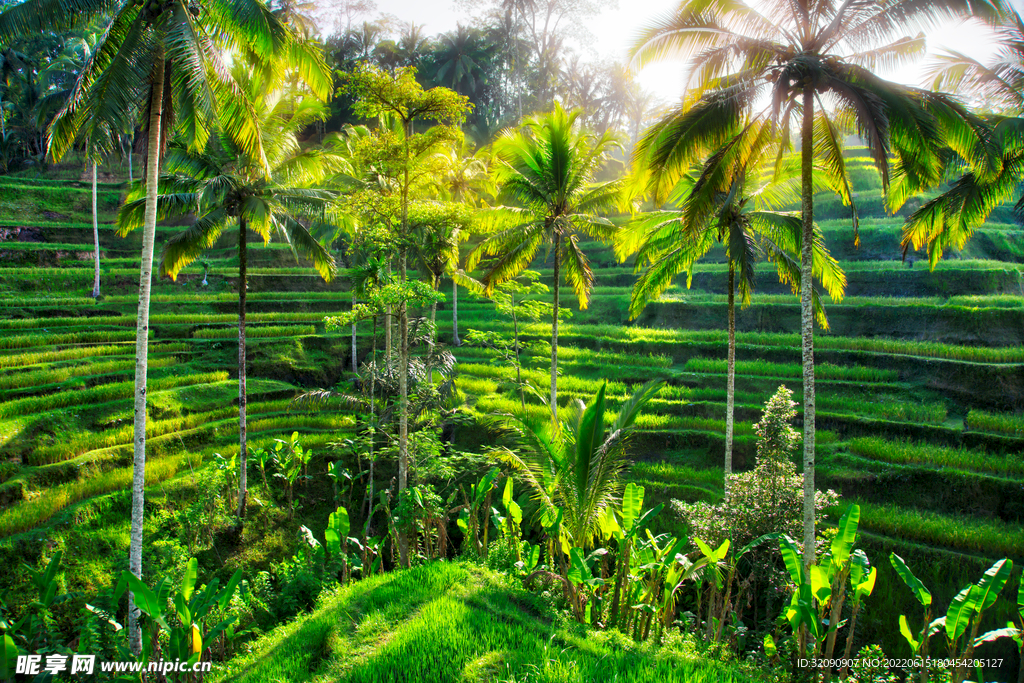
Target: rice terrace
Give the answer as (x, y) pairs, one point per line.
(339, 347)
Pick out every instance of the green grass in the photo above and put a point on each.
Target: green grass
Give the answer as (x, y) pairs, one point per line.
(102, 394)
(763, 368)
(31, 513)
(454, 622)
(39, 378)
(17, 360)
(991, 538)
(993, 422)
(255, 332)
(906, 453)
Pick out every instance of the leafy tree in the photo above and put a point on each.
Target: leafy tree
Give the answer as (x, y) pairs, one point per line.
(574, 464)
(784, 61)
(225, 186)
(398, 95)
(546, 172)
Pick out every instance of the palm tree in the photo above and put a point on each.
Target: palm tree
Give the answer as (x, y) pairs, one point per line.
(546, 172)
(777, 61)
(574, 463)
(168, 56)
(727, 204)
(949, 220)
(463, 179)
(223, 185)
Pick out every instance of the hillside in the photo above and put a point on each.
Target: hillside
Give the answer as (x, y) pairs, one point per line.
(457, 622)
(921, 384)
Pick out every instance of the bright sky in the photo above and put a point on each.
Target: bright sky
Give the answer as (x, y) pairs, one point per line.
(615, 29)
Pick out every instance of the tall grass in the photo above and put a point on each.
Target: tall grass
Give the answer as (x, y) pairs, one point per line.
(36, 358)
(762, 368)
(255, 332)
(907, 453)
(102, 394)
(993, 422)
(27, 341)
(31, 513)
(991, 538)
(897, 409)
(38, 378)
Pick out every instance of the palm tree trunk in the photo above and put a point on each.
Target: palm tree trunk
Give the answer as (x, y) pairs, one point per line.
(807, 316)
(355, 356)
(403, 358)
(455, 314)
(730, 381)
(95, 237)
(515, 348)
(373, 434)
(387, 333)
(433, 333)
(554, 335)
(142, 344)
(131, 148)
(243, 285)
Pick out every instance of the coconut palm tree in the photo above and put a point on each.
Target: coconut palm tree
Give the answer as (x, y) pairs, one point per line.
(574, 463)
(223, 186)
(949, 220)
(546, 172)
(727, 203)
(810, 60)
(167, 55)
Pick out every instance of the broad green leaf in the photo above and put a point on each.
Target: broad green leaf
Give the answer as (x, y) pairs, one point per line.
(463, 520)
(1008, 632)
(506, 496)
(609, 526)
(842, 544)
(960, 611)
(913, 583)
(338, 521)
(332, 541)
(722, 550)
(865, 587)
(705, 549)
(821, 584)
(181, 607)
(648, 516)
(1020, 597)
(992, 583)
(908, 634)
(769, 646)
(859, 566)
(589, 438)
(515, 512)
(188, 581)
(485, 485)
(632, 503)
(758, 541)
(791, 556)
(533, 558)
(224, 597)
(8, 657)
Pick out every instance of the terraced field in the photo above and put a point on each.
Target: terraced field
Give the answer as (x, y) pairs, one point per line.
(921, 378)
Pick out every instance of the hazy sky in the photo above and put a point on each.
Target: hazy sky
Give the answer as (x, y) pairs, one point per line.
(614, 30)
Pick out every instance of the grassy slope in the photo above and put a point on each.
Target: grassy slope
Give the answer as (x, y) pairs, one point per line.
(449, 622)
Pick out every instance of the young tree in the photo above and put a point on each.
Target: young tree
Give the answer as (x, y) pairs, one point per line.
(546, 173)
(797, 56)
(398, 95)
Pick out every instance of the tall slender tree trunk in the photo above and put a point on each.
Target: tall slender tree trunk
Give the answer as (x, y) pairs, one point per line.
(131, 148)
(433, 334)
(515, 348)
(807, 315)
(554, 334)
(387, 333)
(455, 314)
(403, 358)
(373, 434)
(730, 376)
(355, 355)
(95, 237)
(243, 286)
(142, 344)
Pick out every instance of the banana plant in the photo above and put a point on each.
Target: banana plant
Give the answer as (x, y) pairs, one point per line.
(918, 642)
(625, 531)
(187, 638)
(581, 577)
(816, 606)
(966, 610)
(478, 497)
(1015, 631)
(862, 582)
(510, 523)
(337, 539)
